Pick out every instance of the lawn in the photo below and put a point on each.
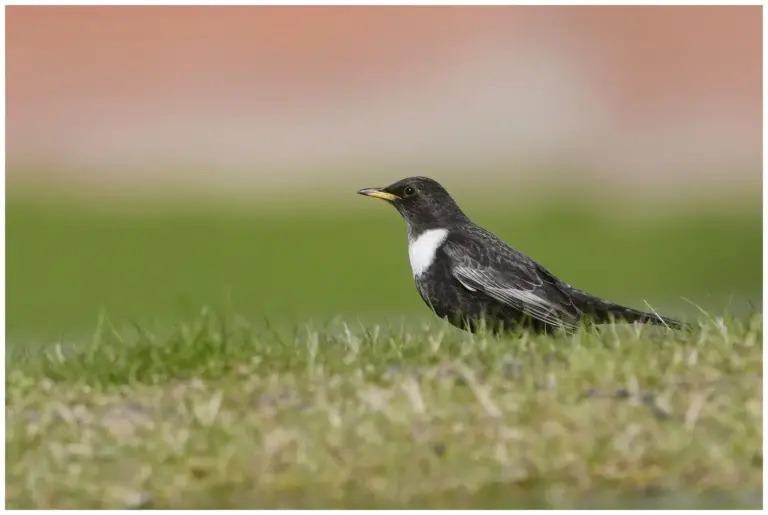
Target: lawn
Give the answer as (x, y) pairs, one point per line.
(191, 356)
(220, 413)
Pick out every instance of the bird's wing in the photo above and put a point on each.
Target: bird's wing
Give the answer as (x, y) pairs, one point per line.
(510, 277)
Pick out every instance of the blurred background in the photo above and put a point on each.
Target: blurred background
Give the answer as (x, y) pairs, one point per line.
(160, 159)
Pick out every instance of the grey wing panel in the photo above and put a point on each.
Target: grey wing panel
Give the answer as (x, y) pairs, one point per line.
(525, 300)
(515, 282)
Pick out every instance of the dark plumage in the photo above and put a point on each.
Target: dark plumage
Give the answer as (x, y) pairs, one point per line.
(468, 275)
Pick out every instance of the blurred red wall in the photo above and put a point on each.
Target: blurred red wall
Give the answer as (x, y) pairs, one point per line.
(635, 94)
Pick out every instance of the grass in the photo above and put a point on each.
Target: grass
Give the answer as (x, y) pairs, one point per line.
(220, 413)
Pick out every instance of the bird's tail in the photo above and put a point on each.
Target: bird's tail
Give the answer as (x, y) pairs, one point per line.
(619, 313)
(602, 311)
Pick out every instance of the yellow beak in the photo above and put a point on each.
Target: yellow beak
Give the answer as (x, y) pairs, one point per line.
(378, 193)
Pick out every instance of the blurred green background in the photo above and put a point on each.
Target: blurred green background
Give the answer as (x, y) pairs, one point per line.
(292, 258)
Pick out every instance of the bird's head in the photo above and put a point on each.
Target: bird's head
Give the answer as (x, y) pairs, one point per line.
(422, 202)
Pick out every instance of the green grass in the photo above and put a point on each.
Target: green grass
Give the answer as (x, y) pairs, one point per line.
(67, 260)
(220, 412)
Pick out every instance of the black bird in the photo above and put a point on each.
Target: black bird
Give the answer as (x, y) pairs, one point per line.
(472, 278)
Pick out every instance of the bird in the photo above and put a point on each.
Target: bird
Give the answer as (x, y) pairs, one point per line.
(473, 279)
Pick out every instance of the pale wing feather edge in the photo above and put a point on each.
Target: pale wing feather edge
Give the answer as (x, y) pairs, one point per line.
(524, 300)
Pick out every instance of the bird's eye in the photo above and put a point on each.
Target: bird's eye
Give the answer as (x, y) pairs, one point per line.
(409, 191)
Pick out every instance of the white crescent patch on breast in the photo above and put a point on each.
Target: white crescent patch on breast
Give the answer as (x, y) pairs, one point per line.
(422, 249)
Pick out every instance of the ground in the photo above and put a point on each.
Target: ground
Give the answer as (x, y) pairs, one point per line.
(222, 413)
